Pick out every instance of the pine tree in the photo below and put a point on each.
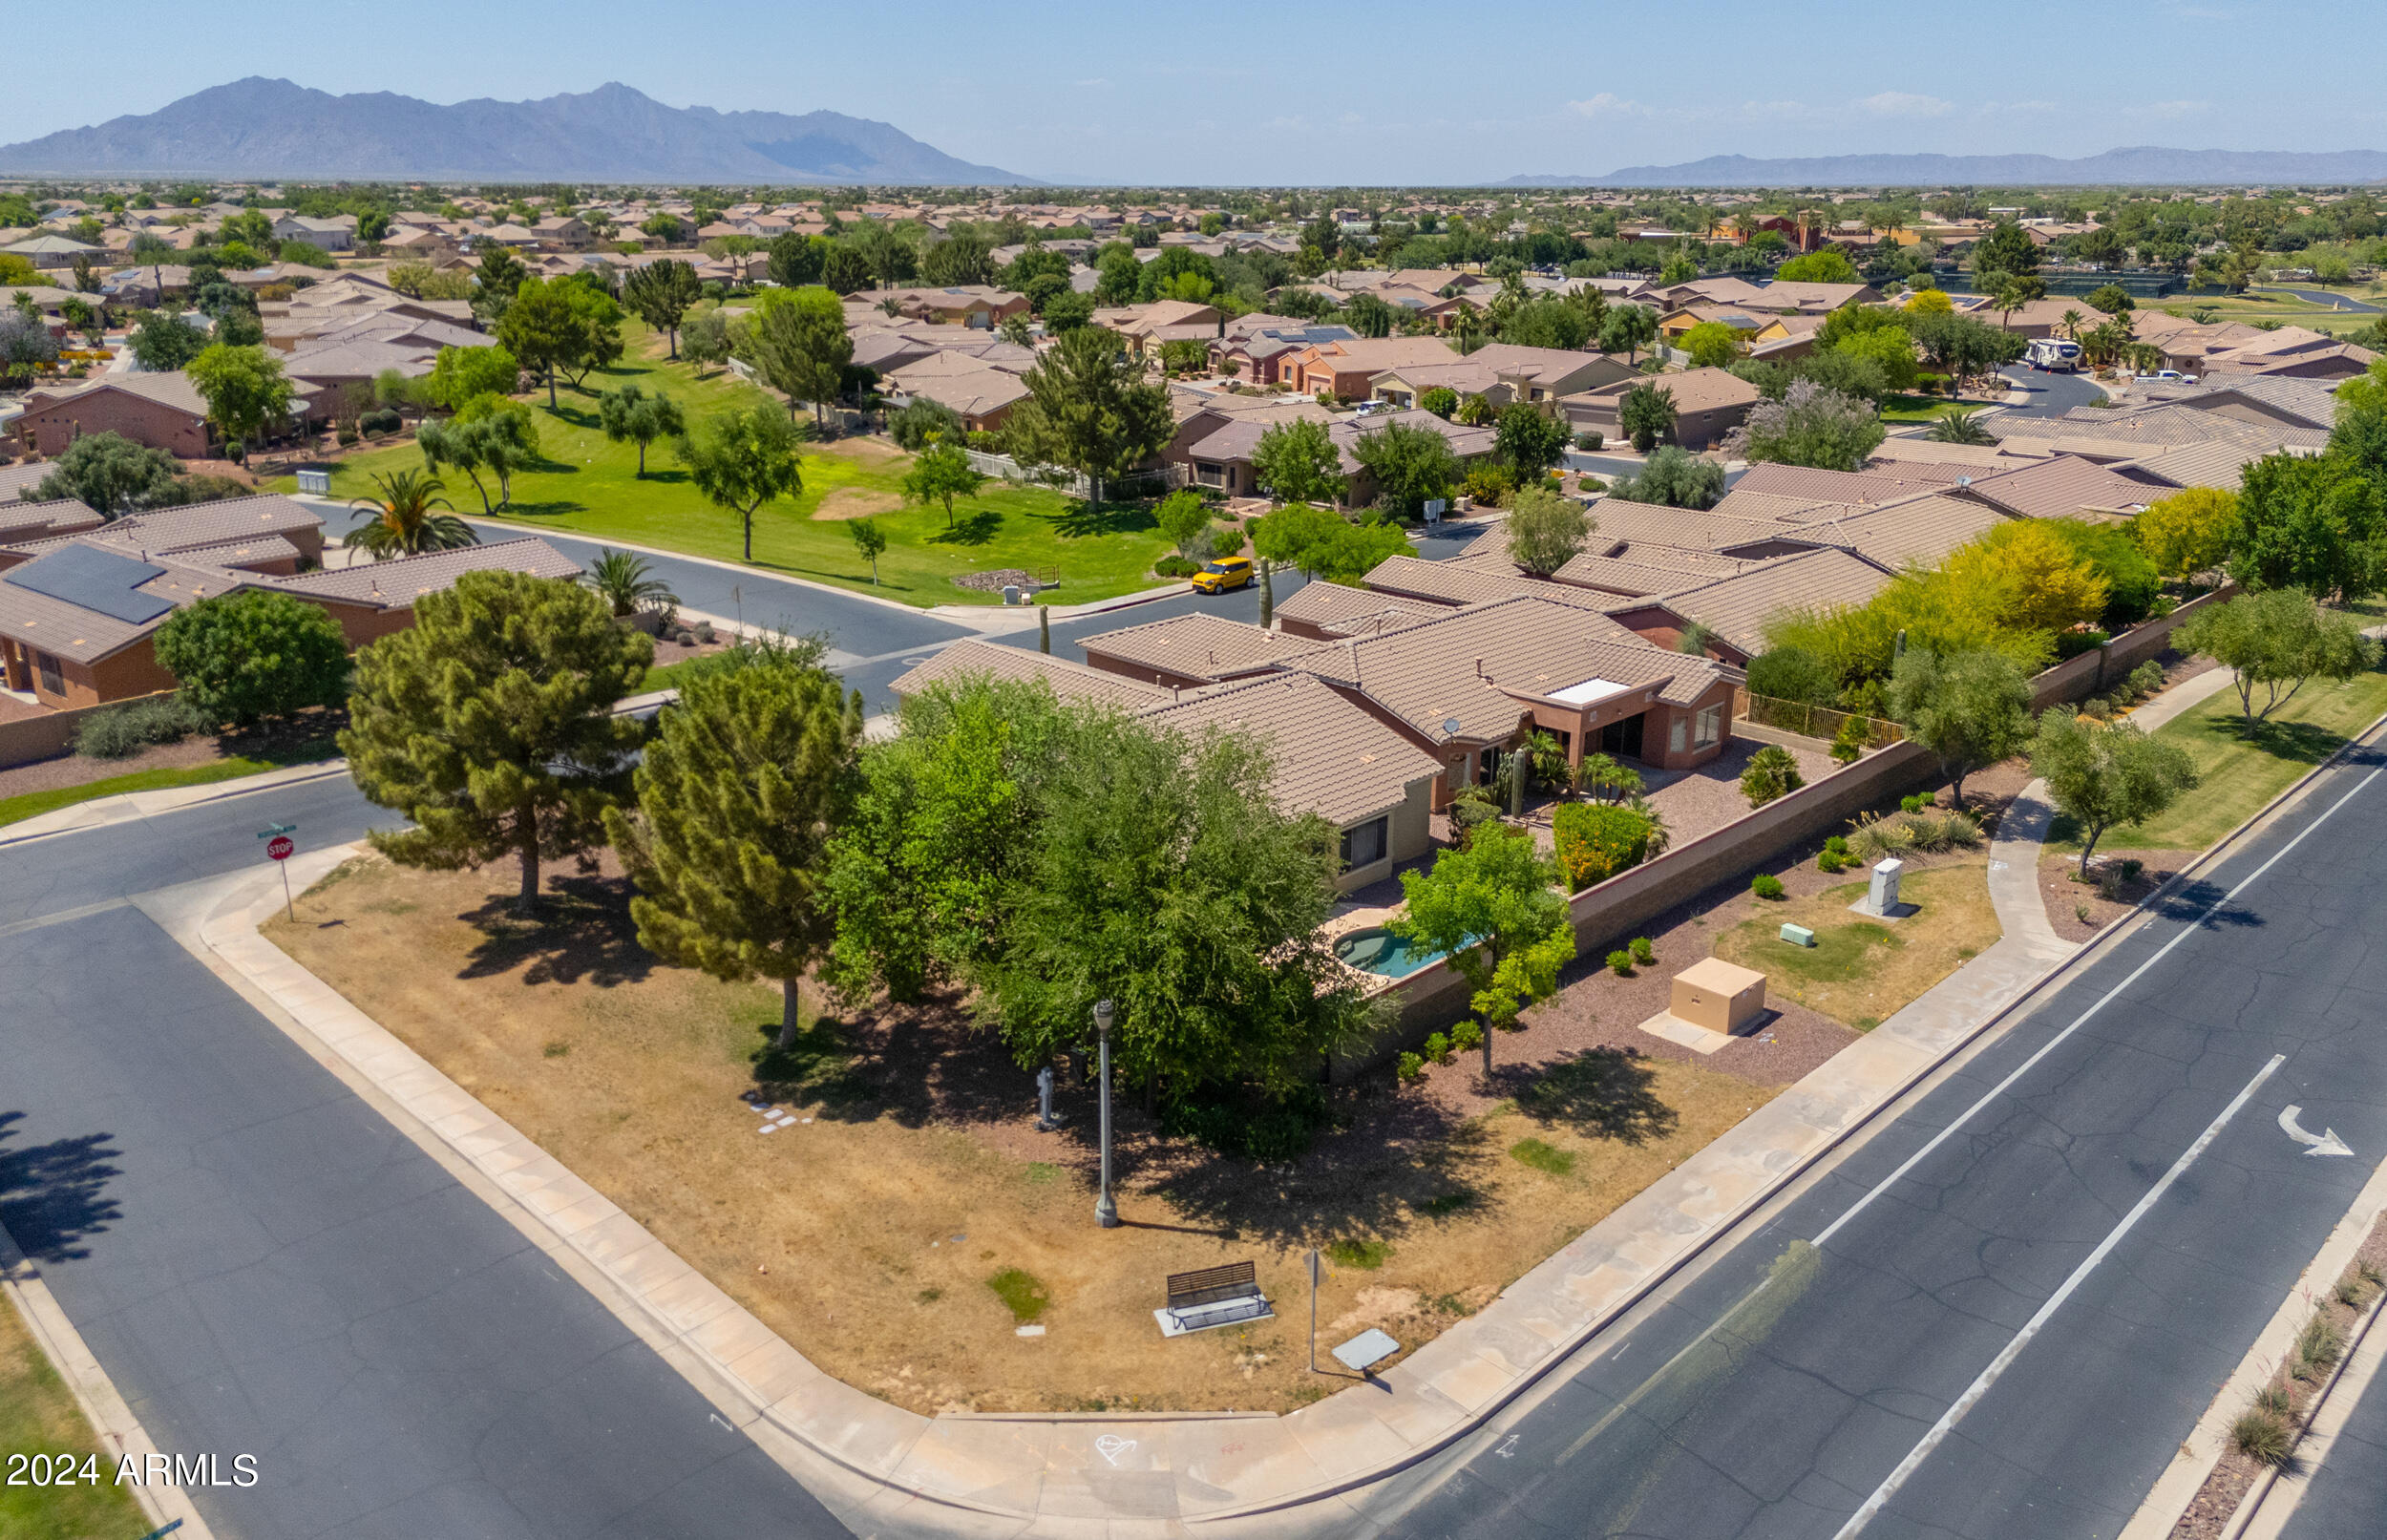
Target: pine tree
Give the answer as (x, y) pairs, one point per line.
(737, 797)
(490, 724)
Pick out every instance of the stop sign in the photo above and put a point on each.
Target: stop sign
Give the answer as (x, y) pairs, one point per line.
(279, 847)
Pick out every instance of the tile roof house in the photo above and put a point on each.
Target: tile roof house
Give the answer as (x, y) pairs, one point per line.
(1709, 403)
(1736, 610)
(2064, 486)
(157, 410)
(1189, 651)
(1331, 611)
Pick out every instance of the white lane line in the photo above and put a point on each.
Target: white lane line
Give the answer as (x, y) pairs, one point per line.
(63, 916)
(2083, 1020)
(2013, 1350)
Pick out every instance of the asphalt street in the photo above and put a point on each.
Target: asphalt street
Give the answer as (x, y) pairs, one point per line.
(1861, 1328)
(2052, 394)
(2322, 297)
(264, 1266)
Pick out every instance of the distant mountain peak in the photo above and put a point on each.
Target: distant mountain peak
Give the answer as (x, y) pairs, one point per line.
(2138, 165)
(263, 126)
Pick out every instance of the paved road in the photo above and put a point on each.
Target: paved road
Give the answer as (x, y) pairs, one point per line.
(2328, 301)
(265, 1266)
(2347, 1498)
(1777, 1392)
(2051, 395)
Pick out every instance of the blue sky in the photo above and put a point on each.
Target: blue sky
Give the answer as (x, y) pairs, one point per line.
(1385, 92)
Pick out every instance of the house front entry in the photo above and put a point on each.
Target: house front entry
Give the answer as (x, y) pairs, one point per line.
(1623, 736)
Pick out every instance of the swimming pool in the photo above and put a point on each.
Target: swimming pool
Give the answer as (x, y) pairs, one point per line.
(1377, 950)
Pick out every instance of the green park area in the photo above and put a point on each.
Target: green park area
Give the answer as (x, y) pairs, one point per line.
(586, 484)
(39, 1420)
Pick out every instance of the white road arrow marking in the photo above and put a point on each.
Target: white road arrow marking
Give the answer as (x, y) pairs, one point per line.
(2325, 1143)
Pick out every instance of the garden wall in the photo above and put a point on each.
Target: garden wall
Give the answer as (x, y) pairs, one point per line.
(1436, 995)
(49, 735)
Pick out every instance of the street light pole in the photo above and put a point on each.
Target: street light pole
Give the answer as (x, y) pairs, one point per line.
(1105, 1211)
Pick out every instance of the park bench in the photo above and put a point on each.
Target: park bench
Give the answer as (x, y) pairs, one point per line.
(1212, 1296)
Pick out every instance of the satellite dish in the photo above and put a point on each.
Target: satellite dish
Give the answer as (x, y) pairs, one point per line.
(1449, 727)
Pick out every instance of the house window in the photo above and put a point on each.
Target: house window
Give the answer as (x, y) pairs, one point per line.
(1364, 844)
(52, 677)
(1711, 723)
(1209, 475)
(1676, 734)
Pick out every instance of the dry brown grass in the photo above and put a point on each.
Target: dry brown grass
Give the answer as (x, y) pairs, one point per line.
(862, 447)
(867, 1237)
(1862, 970)
(857, 502)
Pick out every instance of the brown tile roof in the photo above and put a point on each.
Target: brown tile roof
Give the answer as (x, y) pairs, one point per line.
(26, 522)
(2063, 487)
(1478, 665)
(1818, 486)
(1738, 608)
(195, 525)
(396, 584)
(1342, 611)
(971, 658)
(1471, 582)
(1911, 531)
(1326, 755)
(1640, 568)
(1199, 645)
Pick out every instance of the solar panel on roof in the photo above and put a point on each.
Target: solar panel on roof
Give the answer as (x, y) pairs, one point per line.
(94, 580)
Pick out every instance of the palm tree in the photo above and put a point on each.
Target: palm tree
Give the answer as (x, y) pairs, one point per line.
(621, 580)
(1960, 427)
(2070, 320)
(403, 522)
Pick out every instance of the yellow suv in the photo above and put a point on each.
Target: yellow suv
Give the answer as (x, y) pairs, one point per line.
(1226, 572)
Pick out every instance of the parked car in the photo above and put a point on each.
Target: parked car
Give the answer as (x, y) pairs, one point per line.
(1223, 575)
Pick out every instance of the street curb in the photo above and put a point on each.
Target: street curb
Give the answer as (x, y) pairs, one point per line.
(122, 810)
(2251, 1511)
(103, 1406)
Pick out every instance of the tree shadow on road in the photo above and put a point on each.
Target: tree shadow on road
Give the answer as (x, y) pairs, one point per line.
(53, 1195)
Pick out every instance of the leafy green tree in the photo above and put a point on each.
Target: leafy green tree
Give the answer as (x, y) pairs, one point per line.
(1891, 347)
(499, 274)
(2012, 291)
(2192, 531)
(1969, 709)
(630, 415)
(2310, 522)
(244, 388)
(489, 724)
(1297, 462)
(1964, 346)
(251, 654)
(2105, 775)
(1549, 321)
(1163, 877)
(1792, 674)
(1350, 551)
(1088, 411)
(163, 341)
(870, 543)
(1410, 466)
(542, 329)
(1546, 530)
(747, 778)
(944, 824)
(2112, 299)
(462, 374)
(1529, 441)
(742, 458)
(942, 474)
(489, 434)
(1494, 909)
(1811, 425)
(796, 339)
(405, 519)
(923, 422)
(1711, 344)
(1288, 535)
(661, 293)
(1184, 518)
(2278, 638)
(1827, 266)
(1628, 329)
(1673, 478)
(796, 260)
(1646, 415)
(2007, 248)
(704, 339)
(1441, 400)
(1067, 311)
(110, 475)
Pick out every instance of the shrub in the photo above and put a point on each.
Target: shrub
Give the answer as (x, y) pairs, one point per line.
(1590, 442)
(2318, 1347)
(1175, 566)
(382, 420)
(345, 434)
(1467, 1037)
(1771, 774)
(1644, 952)
(1915, 803)
(1620, 963)
(1829, 862)
(1597, 840)
(1792, 674)
(251, 654)
(1409, 1067)
(2263, 1436)
(1438, 1049)
(1765, 885)
(128, 729)
(1490, 485)
(2073, 643)
(2146, 678)
(1847, 745)
(1837, 844)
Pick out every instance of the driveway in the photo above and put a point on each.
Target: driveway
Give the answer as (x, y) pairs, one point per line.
(2051, 396)
(265, 1266)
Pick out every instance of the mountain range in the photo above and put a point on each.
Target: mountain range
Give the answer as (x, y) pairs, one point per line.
(2138, 165)
(261, 129)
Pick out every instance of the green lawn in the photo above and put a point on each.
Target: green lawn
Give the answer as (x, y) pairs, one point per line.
(33, 804)
(38, 1417)
(2256, 304)
(2240, 772)
(589, 486)
(1926, 408)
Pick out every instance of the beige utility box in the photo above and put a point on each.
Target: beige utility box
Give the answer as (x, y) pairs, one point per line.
(1718, 996)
